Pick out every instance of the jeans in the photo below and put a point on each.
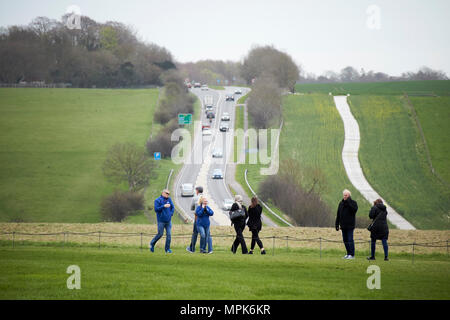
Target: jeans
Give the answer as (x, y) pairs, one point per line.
(255, 239)
(347, 237)
(204, 238)
(385, 247)
(194, 239)
(239, 239)
(161, 227)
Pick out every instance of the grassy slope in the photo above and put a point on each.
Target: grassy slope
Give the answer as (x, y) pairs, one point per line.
(393, 161)
(53, 143)
(385, 88)
(434, 116)
(313, 134)
(40, 273)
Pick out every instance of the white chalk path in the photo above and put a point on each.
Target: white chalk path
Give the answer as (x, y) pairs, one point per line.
(353, 167)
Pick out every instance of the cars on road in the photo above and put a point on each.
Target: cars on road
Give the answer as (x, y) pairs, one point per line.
(217, 153)
(204, 87)
(227, 203)
(208, 108)
(225, 116)
(224, 127)
(187, 190)
(217, 174)
(210, 115)
(197, 85)
(238, 91)
(206, 132)
(229, 97)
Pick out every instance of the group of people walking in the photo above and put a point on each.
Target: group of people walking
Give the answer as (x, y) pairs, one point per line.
(241, 217)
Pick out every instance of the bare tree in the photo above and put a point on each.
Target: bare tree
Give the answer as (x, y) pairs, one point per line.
(129, 163)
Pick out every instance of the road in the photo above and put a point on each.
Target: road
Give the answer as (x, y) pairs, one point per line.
(353, 167)
(198, 170)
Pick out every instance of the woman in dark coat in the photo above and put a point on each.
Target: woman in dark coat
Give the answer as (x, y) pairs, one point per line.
(380, 229)
(239, 225)
(254, 224)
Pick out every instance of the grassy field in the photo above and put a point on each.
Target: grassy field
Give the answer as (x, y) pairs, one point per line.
(434, 116)
(438, 87)
(53, 143)
(31, 272)
(313, 134)
(393, 158)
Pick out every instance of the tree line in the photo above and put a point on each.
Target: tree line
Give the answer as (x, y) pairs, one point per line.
(93, 55)
(350, 74)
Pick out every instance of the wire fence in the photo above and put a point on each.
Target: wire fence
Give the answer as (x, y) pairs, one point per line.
(105, 238)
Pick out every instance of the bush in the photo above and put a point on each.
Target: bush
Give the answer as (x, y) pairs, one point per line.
(305, 208)
(117, 206)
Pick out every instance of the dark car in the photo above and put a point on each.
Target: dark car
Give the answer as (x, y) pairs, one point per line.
(210, 115)
(229, 97)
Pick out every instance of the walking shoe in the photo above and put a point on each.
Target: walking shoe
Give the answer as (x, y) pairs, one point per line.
(188, 249)
(345, 257)
(152, 248)
(250, 252)
(169, 251)
(202, 251)
(210, 252)
(370, 258)
(386, 259)
(349, 257)
(263, 252)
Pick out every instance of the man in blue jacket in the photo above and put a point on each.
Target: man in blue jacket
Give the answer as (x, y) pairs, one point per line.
(164, 209)
(203, 213)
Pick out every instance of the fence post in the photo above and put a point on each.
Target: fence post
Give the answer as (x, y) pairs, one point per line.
(99, 235)
(287, 243)
(64, 244)
(414, 243)
(447, 248)
(273, 245)
(14, 238)
(141, 240)
(320, 247)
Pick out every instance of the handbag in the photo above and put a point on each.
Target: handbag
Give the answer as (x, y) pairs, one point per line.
(236, 214)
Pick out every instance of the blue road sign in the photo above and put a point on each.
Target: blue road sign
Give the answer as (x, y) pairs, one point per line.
(157, 155)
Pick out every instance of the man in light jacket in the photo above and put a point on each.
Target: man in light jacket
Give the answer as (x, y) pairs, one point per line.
(164, 209)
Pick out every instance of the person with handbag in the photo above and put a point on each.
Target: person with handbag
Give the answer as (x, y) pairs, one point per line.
(203, 213)
(238, 216)
(254, 224)
(379, 229)
(346, 220)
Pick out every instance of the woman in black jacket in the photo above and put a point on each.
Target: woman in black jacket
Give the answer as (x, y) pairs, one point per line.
(239, 225)
(380, 229)
(254, 224)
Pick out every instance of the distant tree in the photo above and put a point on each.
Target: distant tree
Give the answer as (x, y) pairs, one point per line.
(117, 206)
(129, 163)
(264, 103)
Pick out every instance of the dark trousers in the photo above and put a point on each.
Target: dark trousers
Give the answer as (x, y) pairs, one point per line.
(239, 239)
(255, 239)
(347, 237)
(385, 247)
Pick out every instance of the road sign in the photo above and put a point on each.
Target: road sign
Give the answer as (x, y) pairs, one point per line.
(157, 155)
(185, 118)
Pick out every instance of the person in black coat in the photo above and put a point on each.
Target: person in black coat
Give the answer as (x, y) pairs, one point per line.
(345, 219)
(254, 224)
(239, 225)
(380, 228)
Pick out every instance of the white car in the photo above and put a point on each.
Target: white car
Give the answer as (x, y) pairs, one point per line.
(227, 203)
(224, 127)
(204, 87)
(206, 132)
(187, 190)
(238, 91)
(225, 116)
(217, 174)
(217, 153)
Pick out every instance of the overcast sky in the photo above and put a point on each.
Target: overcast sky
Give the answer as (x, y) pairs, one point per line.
(388, 36)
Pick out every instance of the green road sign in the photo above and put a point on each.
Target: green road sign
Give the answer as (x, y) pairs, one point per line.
(185, 118)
